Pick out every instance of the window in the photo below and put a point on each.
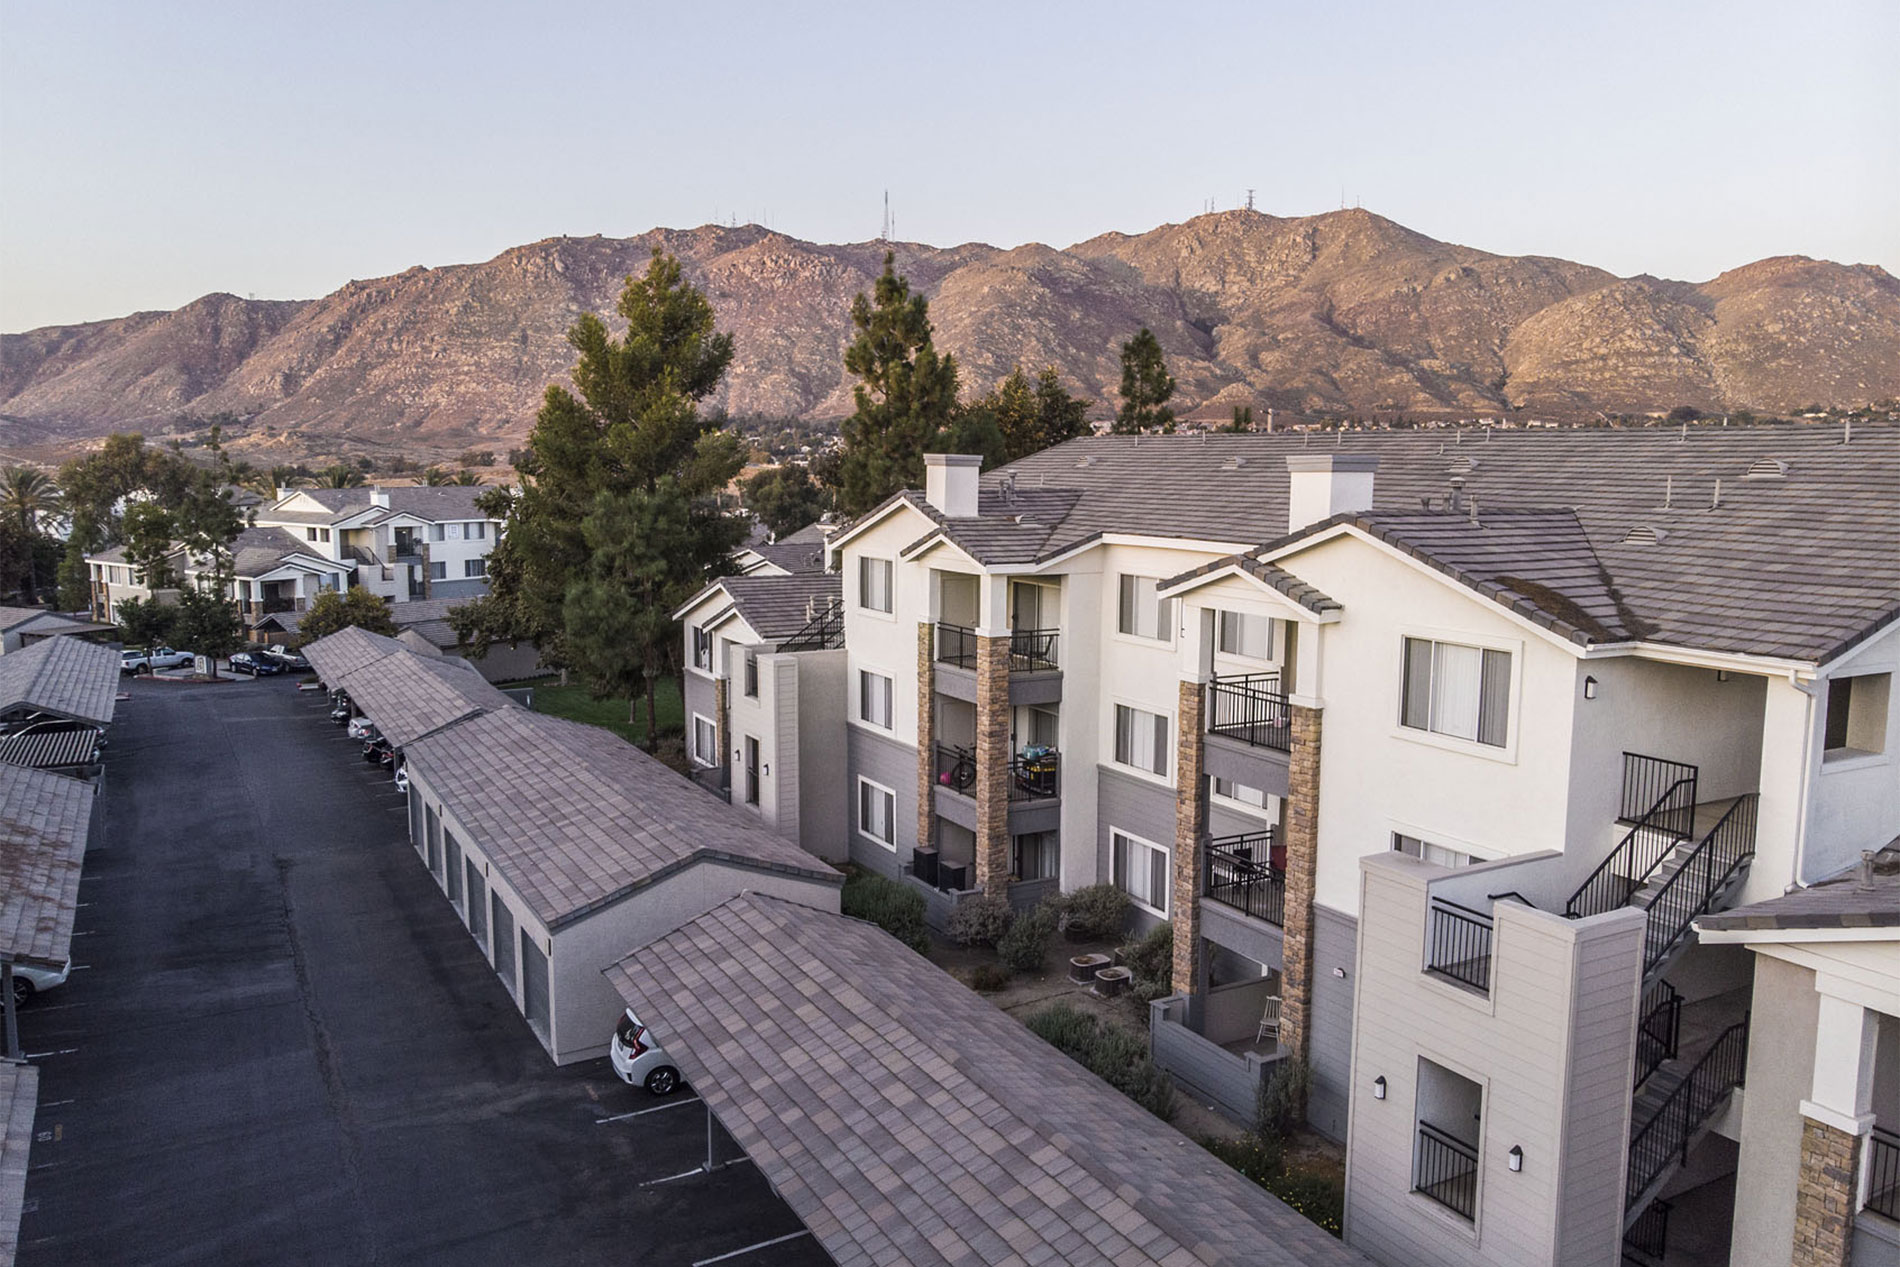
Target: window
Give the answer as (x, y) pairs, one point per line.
(1141, 740)
(705, 741)
(323, 534)
(751, 770)
(436, 533)
(751, 676)
(1450, 1118)
(702, 647)
(1141, 871)
(874, 698)
(477, 902)
(1240, 792)
(1857, 716)
(1426, 851)
(1034, 856)
(504, 921)
(877, 813)
(874, 584)
(475, 567)
(477, 531)
(1455, 690)
(1143, 614)
(1245, 635)
(309, 534)
(438, 571)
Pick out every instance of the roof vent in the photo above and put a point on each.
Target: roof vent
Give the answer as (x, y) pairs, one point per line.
(1767, 469)
(1233, 464)
(1644, 535)
(1463, 465)
(1087, 459)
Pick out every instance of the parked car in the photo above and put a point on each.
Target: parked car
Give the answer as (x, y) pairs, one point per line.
(28, 981)
(291, 660)
(131, 661)
(362, 728)
(255, 665)
(402, 778)
(379, 751)
(638, 1060)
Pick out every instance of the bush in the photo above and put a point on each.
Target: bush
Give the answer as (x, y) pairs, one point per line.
(980, 921)
(1150, 960)
(1281, 1105)
(1110, 1053)
(1318, 1197)
(1258, 1159)
(1026, 944)
(1094, 913)
(988, 978)
(892, 907)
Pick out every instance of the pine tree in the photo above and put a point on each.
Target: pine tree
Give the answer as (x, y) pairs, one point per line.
(1146, 387)
(906, 395)
(1032, 418)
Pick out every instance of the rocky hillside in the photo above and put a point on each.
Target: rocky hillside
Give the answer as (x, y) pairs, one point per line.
(1338, 311)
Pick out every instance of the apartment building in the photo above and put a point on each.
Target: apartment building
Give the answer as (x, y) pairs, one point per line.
(1442, 741)
(399, 543)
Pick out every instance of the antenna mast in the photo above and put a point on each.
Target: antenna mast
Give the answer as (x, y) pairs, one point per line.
(884, 234)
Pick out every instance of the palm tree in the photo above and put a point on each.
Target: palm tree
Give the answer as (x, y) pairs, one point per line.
(28, 496)
(435, 477)
(338, 476)
(466, 479)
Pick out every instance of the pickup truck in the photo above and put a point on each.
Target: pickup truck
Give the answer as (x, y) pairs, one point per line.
(131, 661)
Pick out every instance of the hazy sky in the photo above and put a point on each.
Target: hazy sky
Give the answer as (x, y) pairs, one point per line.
(150, 153)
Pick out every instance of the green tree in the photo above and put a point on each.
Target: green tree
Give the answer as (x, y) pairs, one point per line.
(1243, 419)
(332, 610)
(905, 397)
(208, 624)
(1034, 417)
(338, 476)
(972, 429)
(784, 499)
(147, 623)
(466, 479)
(1146, 387)
(435, 477)
(29, 498)
(151, 543)
(75, 578)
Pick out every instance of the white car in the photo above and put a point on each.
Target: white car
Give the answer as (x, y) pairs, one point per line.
(362, 728)
(160, 658)
(638, 1060)
(28, 982)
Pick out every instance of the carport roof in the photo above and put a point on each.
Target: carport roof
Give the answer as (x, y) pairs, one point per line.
(44, 819)
(19, 1101)
(64, 676)
(905, 1119)
(407, 694)
(576, 818)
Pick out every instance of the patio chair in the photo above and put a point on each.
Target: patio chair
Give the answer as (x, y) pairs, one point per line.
(1270, 1020)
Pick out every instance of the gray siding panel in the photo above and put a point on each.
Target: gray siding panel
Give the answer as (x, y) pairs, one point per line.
(696, 693)
(1245, 764)
(1139, 808)
(1255, 939)
(1335, 940)
(894, 765)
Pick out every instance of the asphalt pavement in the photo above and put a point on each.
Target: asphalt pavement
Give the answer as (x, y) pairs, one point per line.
(281, 1046)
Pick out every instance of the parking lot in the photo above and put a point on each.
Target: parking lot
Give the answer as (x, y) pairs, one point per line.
(279, 1045)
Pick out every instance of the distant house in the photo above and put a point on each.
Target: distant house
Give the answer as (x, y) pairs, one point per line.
(24, 626)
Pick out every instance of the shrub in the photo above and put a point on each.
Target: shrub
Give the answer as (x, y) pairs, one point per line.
(1150, 960)
(1026, 944)
(980, 921)
(1280, 1106)
(1258, 1159)
(1110, 1053)
(988, 978)
(1318, 1197)
(1094, 913)
(892, 907)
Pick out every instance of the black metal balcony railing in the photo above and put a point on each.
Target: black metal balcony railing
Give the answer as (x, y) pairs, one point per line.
(1883, 1173)
(823, 632)
(1657, 825)
(1659, 1032)
(1447, 1170)
(1647, 1240)
(1647, 783)
(1033, 650)
(956, 768)
(1666, 1137)
(1252, 709)
(1035, 775)
(1240, 873)
(1699, 881)
(1460, 944)
(956, 644)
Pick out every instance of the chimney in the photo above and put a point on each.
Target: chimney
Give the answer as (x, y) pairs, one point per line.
(1320, 486)
(379, 497)
(950, 483)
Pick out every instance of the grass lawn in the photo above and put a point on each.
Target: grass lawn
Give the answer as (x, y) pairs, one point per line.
(575, 703)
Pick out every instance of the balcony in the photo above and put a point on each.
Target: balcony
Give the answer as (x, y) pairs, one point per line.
(1035, 675)
(1447, 1170)
(1034, 651)
(1460, 948)
(1240, 874)
(956, 645)
(1251, 709)
(1033, 779)
(1883, 1174)
(1035, 774)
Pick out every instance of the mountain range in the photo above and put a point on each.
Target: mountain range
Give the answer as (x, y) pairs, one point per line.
(1345, 311)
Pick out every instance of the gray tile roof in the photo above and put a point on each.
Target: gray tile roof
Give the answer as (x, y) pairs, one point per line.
(906, 1120)
(440, 502)
(65, 676)
(576, 817)
(791, 554)
(11, 616)
(779, 606)
(417, 610)
(1852, 899)
(19, 1100)
(44, 818)
(406, 694)
(1801, 565)
(260, 550)
(1278, 578)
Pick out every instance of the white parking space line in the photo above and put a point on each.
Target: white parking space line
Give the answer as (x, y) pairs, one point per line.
(42, 1055)
(621, 1117)
(776, 1240)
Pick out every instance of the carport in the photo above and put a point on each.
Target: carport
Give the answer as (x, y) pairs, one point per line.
(44, 821)
(905, 1119)
(60, 677)
(19, 1097)
(406, 695)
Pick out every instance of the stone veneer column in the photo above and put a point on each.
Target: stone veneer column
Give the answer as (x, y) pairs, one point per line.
(722, 728)
(992, 764)
(926, 733)
(1827, 1190)
(1302, 856)
(1190, 829)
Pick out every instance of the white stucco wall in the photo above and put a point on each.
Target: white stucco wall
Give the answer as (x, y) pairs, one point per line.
(1855, 803)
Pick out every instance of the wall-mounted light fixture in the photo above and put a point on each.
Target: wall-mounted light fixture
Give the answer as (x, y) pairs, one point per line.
(1723, 675)
(1378, 1087)
(768, 769)
(1517, 1158)
(1589, 688)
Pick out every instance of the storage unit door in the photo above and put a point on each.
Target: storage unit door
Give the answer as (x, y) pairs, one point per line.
(504, 940)
(534, 984)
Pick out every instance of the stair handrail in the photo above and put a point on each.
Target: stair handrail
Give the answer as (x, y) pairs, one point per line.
(1688, 895)
(1595, 895)
(1670, 1130)
(1658, 1031)
(822, 632)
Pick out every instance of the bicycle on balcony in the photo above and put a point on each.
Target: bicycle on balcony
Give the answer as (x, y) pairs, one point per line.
(956, 768)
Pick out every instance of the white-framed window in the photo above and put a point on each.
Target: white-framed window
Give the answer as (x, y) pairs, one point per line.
(874, 698)
(1856, 724)
(1035, 855)
(1452, 689)
(323, 534)
(439, 571)
(475, 567)
(751, 683)
(702, 647)
(1141, 871)
(1240, 793)
(1143, 614)
(1142, 739)
(1426, 851)
(1246, 635)
(874, 584)
(705, 741)
(309, 534)
(477, 531)
(437, 532)
(877, 813)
